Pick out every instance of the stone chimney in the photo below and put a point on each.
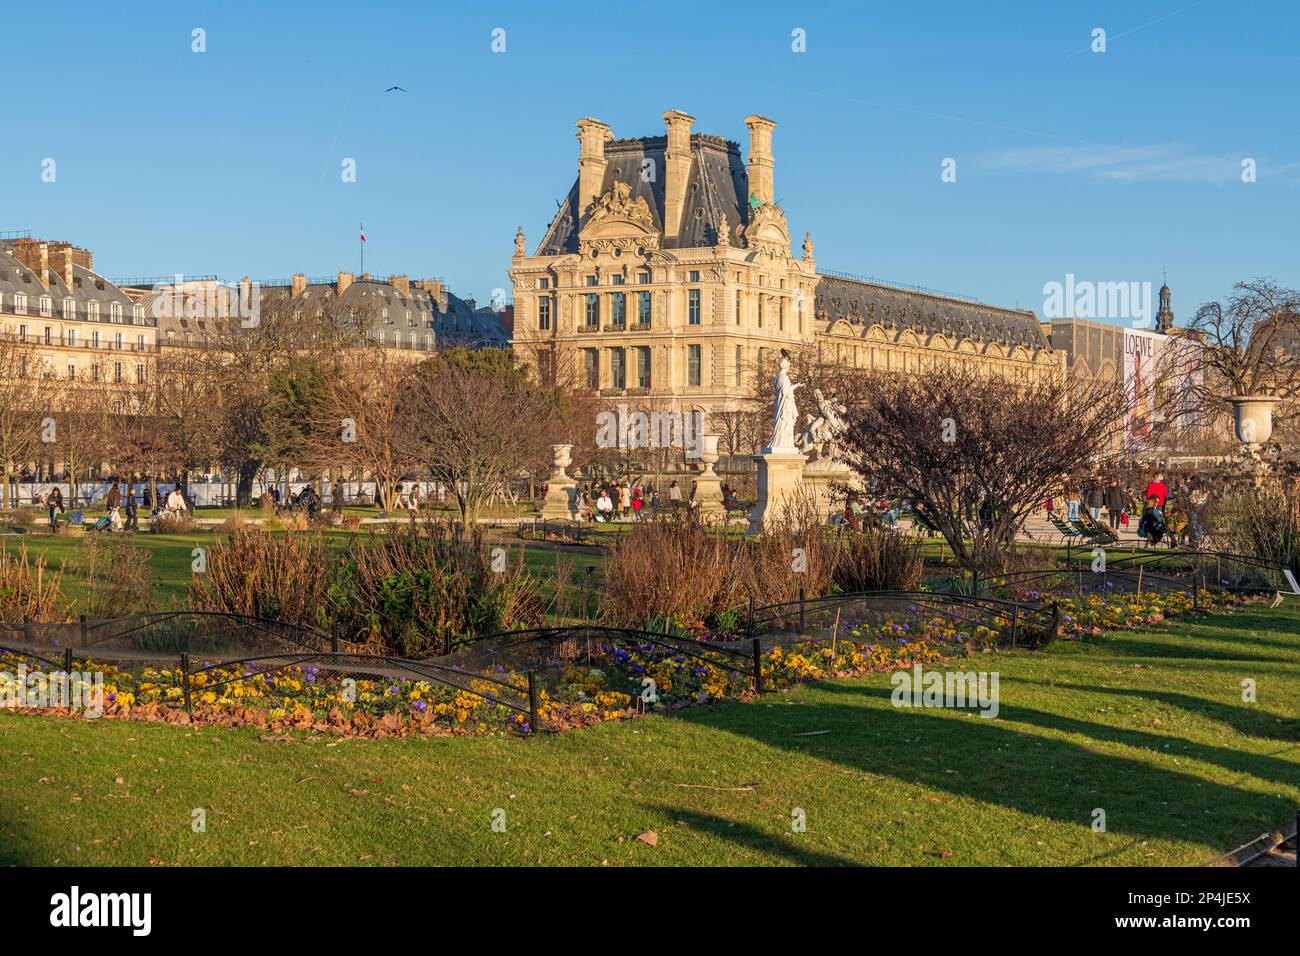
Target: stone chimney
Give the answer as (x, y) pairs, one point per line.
(677, 169)
(760, 158)
(297, 284)
(591, 163)
(402, 284)
(66, 269)
(345, 279)
(436, 291)
(43, 269)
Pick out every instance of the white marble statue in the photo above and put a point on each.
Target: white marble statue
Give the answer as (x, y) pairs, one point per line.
(821, 434)
(785, 411)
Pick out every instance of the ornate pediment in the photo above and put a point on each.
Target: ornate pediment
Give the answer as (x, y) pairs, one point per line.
(618, 220)
(767, 230)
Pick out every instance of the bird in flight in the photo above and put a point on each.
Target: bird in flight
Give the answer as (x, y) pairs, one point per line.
(397, 88)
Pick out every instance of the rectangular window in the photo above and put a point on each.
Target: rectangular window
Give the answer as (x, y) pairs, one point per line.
(643, 277)
(137, 315)
(22, 333)
(591, 365)
(617, 368)
(47, 306)
(618, 280)
(117, 341)
(760, 311)
(49, 335)
(692, 365)
(20, 303)
(780, 318)
(643, 308)
(739, 296)
(739, 362)
(695, 276)
(591, 280)
(92, 311)
(593, 311)
(94, 339)
(72, 337)
(693, 307)
(618, 308)
(115, 312)
(117, 371)
(94, 372)
(72, 371)
(544, 313)
(139, 343)
(139, 374)
(69, 308)
(544, 283)
(643, 366)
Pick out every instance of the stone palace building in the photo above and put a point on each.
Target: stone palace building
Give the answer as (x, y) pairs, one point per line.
(667, 274)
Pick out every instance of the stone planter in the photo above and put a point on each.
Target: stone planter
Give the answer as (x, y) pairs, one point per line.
(1253, 418)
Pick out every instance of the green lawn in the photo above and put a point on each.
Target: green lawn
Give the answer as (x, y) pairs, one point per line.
(1149, 726)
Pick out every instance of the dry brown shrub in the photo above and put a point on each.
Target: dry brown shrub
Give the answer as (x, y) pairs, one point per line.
(263, 575)
(879, 559)
(119, 580)
(29, 591)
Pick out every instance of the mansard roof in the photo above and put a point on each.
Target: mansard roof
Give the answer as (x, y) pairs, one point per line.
(718, 184)
(865, 303)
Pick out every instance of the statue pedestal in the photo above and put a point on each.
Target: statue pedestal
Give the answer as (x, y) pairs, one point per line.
(708, 484)
(561, 490)
(824, 481)
(708, 495)
(561, 500)
(780, 476)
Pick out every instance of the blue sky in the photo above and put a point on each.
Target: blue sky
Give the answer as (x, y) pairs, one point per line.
(1105, 165)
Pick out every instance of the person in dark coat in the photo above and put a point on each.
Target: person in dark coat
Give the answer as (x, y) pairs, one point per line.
(1114, 503)
(132, 511)
(54, 500)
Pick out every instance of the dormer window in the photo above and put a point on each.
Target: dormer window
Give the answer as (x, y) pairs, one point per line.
(20, 303)
(137, 315)
(92, 311)
(47, 306)
(115, 312)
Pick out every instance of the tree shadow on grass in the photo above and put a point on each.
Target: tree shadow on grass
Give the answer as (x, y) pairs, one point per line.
(1250, 721)
(1126, 645)
(752, 837)
(989, 761)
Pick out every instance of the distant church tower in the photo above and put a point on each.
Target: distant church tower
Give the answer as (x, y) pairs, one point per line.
(1165, 317)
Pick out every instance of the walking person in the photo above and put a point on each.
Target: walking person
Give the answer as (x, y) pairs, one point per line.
(674, 494)
(1072, 503)
(55, 500)
(1114, 504)
(1096, 499)
(132, 511)
(114, 505)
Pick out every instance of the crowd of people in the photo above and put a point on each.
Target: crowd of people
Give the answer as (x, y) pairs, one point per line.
(1166, 505)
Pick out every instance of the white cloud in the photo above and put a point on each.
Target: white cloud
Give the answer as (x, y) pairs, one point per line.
(1129, 164)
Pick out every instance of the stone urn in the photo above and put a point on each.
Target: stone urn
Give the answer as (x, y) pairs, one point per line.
(562, 458)
(1253, 419)
(708, 454)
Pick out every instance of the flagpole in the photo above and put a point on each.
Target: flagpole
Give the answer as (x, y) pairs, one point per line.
(363, 248)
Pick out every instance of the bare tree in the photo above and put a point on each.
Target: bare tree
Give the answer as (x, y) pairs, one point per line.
(1249, 345)
(979, 452)
(475, 420)
(25, 401)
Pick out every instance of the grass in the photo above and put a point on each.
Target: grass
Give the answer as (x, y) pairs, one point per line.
(1148, 726)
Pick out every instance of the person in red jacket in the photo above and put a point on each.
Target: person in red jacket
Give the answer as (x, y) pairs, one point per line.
(1158, 490)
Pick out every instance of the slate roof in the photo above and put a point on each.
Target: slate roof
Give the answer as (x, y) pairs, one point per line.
(718, 183)
(865, 303)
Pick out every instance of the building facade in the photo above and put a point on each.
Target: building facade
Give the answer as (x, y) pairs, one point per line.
(667, 273)
(73, 324)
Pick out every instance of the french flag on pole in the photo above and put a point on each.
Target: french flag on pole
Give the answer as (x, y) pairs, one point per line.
(363, 232)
